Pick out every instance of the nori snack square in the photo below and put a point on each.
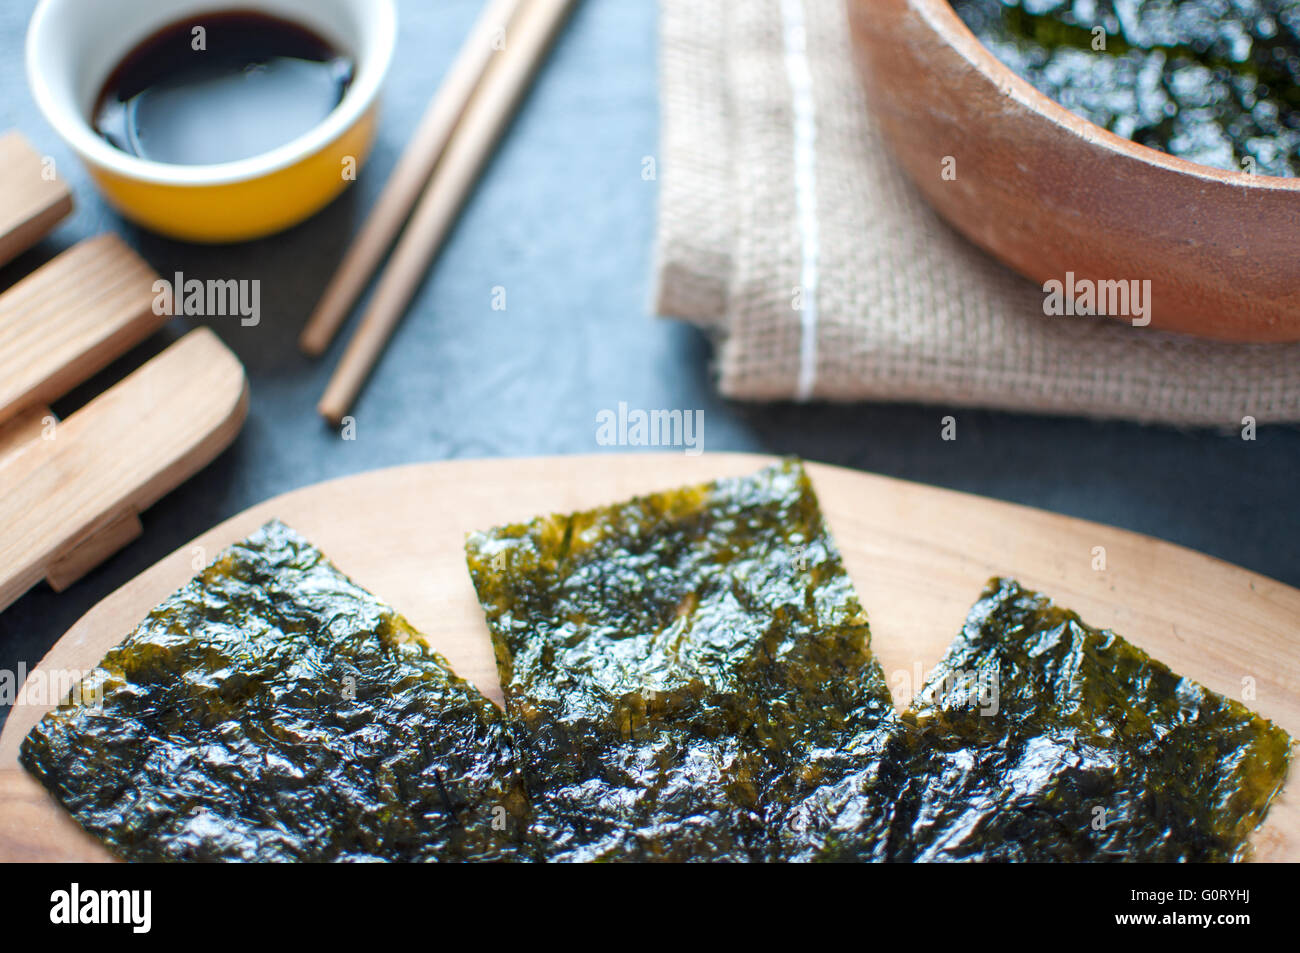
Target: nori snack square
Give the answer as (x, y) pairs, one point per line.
(686, 672)
(272, 710)
(1039, 738)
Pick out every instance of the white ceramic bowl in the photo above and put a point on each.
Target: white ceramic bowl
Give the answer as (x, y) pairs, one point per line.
(73, 46)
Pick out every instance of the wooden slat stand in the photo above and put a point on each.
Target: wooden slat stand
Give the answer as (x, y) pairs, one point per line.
(71, 491)
(70, 497)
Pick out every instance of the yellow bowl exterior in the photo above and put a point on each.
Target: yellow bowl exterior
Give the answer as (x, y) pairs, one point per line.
(240, 211)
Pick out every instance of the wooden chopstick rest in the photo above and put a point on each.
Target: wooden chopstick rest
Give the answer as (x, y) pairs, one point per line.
(33, 199)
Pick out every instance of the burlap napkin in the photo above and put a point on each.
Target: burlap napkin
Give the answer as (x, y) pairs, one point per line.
(786, 229)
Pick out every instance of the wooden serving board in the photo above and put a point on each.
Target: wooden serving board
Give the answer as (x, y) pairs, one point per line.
(919, 557)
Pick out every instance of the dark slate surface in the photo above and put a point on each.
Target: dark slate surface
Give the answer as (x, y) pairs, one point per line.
(564, 222)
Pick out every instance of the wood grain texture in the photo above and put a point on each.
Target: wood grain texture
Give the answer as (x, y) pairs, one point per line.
(919, 557)
(69, 319)
(32, 201)
(73, 492)
(85, 554)
(21, 431)
(1047, 192)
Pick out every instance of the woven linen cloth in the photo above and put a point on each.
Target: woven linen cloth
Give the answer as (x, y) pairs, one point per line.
(787, 231)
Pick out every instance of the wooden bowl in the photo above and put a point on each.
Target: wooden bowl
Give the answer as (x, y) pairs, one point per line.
(1047, 192)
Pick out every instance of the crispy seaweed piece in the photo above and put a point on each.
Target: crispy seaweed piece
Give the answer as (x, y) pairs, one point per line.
(686, 672)
(273, 710)
(1039, 738)
(1211, 81)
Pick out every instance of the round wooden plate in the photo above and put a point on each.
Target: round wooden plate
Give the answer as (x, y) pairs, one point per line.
(918, 555)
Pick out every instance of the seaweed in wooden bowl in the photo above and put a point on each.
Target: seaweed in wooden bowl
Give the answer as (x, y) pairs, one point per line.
(1055, 193)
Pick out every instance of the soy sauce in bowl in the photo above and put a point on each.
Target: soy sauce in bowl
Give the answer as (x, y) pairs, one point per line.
(220, 87)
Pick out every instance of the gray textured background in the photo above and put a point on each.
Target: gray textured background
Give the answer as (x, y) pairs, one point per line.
(564, 221)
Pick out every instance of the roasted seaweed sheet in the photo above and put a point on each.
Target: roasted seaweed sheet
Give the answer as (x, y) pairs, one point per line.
(272, 710)
(1213, 81)
(687, 673)
(1039, 738)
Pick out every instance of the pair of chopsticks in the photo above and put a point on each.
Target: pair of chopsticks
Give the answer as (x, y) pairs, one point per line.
(431, 182)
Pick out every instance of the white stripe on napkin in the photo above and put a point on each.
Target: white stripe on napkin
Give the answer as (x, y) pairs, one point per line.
(805, 184)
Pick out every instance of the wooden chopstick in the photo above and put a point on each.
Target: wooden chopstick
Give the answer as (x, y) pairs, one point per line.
(471, 144)
(409, 177)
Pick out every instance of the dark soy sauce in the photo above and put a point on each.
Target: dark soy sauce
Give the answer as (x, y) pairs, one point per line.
(220, 87)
